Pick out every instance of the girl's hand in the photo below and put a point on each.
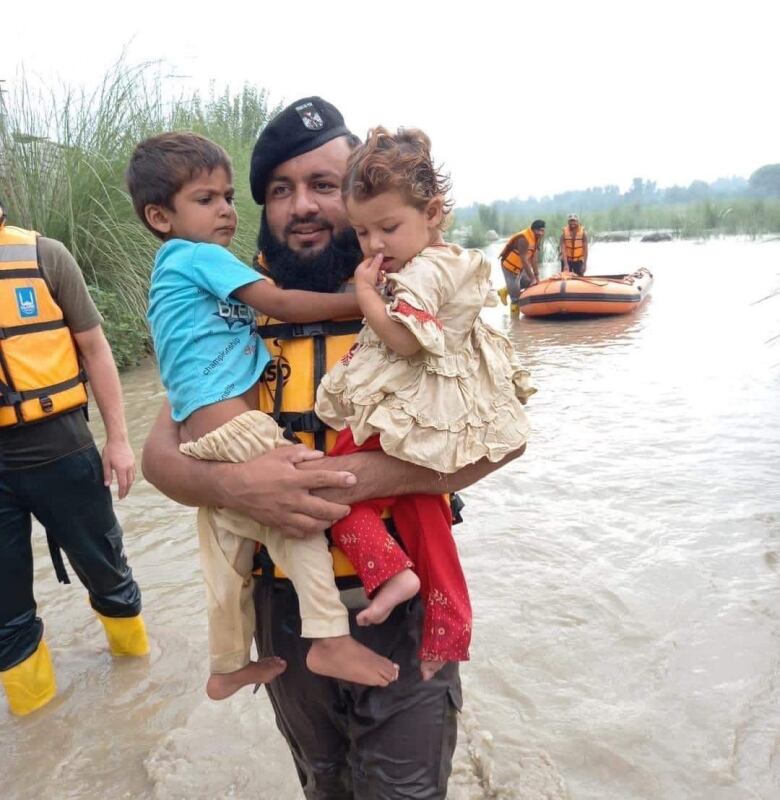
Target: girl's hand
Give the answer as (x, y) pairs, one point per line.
(367, 272)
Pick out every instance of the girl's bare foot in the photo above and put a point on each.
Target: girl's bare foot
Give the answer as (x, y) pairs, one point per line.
(346, 659)
(402, 586)
(222, 685)
(430, 668)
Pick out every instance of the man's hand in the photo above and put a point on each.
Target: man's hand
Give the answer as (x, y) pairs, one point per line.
(268, 488)
(118, 459)
(271, 490)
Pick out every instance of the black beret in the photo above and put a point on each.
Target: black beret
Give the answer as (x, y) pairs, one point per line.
(304, 125)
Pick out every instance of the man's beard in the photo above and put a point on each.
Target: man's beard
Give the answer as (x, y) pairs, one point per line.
(325, 271)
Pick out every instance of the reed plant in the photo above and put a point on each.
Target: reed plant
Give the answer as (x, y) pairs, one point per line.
(63, 155)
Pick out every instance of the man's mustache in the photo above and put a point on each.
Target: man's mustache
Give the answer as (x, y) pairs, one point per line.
(320, 222)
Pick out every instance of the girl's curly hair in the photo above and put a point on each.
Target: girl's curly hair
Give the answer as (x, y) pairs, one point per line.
(398, 162)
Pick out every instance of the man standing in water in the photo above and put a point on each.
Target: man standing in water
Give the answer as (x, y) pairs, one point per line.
(574, 246)
(520, 262)
(347, 741)
(49, 465)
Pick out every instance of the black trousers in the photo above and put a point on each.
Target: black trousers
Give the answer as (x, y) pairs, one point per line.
(578, 267)
(352, 742)
(68, 498)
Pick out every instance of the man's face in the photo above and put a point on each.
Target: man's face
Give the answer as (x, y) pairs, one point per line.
(573, 224)
(303, 204)
(539, 233)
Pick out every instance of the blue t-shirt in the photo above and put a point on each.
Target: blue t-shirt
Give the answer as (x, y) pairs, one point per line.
(206, 341)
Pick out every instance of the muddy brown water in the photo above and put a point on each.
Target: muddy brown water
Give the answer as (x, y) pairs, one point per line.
(624, 574)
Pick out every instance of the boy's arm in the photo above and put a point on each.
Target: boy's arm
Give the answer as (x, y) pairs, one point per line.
(99, 363)
(269, 488)
(293, 305)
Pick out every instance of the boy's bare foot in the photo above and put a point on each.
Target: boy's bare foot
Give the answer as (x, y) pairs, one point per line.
(220, 686)
(430, 668)
(402, 586)
(346, 659)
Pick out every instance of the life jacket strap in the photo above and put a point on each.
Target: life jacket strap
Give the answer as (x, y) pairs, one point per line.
(301, 422)
(8, 397)
(21, 272)
(36, 327)
(305, 330)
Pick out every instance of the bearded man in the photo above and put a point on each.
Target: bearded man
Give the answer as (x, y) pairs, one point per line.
(347, 741)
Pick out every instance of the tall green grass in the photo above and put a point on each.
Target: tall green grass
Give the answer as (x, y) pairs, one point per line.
(63, 154)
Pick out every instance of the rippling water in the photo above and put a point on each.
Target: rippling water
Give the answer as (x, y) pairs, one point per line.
(624, 576)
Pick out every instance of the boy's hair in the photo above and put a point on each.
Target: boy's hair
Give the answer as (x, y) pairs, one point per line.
(398, 162)
(162, 164)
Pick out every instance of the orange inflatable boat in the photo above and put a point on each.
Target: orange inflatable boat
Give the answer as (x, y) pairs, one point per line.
(568, 294)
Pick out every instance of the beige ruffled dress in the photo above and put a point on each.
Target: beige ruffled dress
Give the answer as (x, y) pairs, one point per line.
(459, 398)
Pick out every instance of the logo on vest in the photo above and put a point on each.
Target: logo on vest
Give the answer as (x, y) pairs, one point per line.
(26, 302)
(276, 367)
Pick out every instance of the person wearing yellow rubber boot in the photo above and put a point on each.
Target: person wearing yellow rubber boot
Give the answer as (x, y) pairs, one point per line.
(520, 263)
(50, 468)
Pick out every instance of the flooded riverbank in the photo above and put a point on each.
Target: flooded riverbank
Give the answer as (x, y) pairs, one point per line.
(625, 576)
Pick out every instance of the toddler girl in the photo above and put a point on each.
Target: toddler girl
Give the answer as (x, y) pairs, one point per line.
(427, 382)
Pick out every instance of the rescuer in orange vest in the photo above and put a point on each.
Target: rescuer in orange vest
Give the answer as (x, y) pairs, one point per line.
(574, 246)
(520, 262)
(50, 341)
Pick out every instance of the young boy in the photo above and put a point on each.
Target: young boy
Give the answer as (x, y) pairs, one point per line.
(201, 302)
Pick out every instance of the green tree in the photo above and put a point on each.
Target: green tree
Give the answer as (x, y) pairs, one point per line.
(488, 217)
(765, 181)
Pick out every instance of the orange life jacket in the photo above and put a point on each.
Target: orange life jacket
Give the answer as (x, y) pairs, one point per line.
(574, 244)
(511, 259)
(301, 353)
(40, 373)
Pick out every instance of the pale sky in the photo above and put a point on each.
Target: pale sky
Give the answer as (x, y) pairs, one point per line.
(519, 99)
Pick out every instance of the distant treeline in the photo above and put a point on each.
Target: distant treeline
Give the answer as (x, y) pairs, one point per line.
(725, 206)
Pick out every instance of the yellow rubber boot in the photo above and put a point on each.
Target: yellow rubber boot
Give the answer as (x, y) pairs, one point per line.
(30, 685)
(126, 635)
(503, 292)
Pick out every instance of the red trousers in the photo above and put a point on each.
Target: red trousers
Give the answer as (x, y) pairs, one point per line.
(424, 523)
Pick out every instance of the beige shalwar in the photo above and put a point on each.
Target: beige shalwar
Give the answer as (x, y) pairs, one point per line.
(227, 545)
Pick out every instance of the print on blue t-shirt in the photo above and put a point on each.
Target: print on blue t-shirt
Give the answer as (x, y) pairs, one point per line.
(206, 341)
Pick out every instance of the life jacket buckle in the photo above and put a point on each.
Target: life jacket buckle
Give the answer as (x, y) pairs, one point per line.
(47, 404)
(305, 330)
(8, 397)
